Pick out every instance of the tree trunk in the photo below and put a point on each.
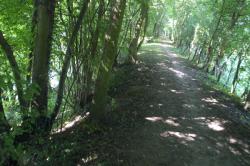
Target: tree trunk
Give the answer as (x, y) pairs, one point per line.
(4, 125)
(42, 50)
(236, 75)
(94, 44)
(145, 13)
(205, 67)
(247, 102)
(4, 129)
(199, 57)
(228, 77)
(133, 47)
(195, 53)
(155, 31)
(213, 37)
(109, 54)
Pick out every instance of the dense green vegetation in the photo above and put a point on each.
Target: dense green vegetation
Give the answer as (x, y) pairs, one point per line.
(215, 36)
(57, 57)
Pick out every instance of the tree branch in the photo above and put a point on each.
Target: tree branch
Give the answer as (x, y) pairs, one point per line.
(66, 62)
(4, 125)
(15, 69)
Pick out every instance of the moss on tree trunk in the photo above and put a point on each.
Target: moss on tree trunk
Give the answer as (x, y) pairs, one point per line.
(109, 54)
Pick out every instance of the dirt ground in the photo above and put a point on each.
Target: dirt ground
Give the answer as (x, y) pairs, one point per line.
(166, 116)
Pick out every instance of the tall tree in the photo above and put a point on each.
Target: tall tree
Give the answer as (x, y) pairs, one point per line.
(109, 54)
(42, 51)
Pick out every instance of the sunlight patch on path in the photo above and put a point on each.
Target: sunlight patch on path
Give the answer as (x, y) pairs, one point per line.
(210, 100)
(213, 101)
(178, 73)
(216, 125)
(167, 46)
(170, 121)
(154, 119)
(70, 124)
(212, 123)
(185, 136)
(176, 91)
(89, 159)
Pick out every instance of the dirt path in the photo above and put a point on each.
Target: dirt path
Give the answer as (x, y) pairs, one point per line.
(185, 122)
(170, 118)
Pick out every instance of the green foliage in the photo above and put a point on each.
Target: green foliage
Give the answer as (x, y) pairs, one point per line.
(8, 149)
(216, 32)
